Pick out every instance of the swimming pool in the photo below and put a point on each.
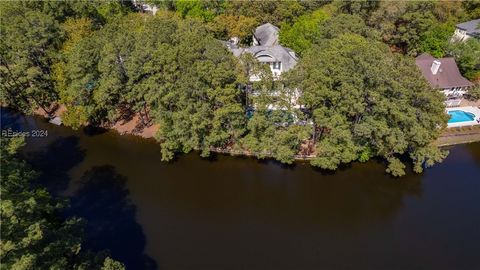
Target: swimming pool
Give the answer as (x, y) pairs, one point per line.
(460, 116)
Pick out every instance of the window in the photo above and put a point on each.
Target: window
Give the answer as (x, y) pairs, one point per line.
(277, 65)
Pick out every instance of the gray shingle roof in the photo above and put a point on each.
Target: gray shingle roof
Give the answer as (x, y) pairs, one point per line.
(234, 48)
(269, 49)
(471, 27)
(276, 53)
(267, 34)
(448, 75)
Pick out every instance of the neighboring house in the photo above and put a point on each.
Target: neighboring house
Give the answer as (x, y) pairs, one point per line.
(443, 74)
(467, 30)
(267, 50)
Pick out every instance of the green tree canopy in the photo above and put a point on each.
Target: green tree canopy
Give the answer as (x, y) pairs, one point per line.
(198, 103)
(362, 8)
(274, 12)
(172, 68)
(366, 102)
(467, 56)
(195, 9)
(95, 76)
(228, 26)
(345, 23)
(402, 24)
(300, 36)
(436, 40)
(27, 50)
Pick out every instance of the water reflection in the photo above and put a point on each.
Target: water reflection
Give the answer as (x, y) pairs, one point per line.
(240, 213)
(101, 196)
(93, 131)
(268, 192)
(103, 200)
(55, 160)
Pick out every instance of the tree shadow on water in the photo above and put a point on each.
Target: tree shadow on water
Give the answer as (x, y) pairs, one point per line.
(55, 160)
(103, 200)
(93, 130)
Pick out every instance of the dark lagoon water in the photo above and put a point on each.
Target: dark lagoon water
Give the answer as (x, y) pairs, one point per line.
(241, 213)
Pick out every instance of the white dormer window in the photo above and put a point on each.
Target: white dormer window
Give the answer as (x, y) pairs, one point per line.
(277, 65)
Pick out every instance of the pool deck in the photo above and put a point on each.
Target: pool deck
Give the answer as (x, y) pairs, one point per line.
(470, 109)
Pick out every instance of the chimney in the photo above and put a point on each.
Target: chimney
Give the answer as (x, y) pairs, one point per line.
(435, 66)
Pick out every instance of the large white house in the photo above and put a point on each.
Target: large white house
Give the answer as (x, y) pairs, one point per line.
(267, 50)
(467, 30)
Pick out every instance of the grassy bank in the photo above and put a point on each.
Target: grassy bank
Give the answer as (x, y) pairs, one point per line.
(459, 135)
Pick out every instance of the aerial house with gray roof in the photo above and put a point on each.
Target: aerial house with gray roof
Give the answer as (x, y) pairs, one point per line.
(267, 50)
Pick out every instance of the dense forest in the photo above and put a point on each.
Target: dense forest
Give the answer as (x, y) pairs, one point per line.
(34, 233)
(363, 94)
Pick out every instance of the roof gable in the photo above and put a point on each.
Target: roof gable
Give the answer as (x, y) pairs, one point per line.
(267, 34)
(276, 53)
(269, 51)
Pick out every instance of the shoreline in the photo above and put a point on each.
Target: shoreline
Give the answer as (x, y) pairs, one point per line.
(133, 126)
(459, 135)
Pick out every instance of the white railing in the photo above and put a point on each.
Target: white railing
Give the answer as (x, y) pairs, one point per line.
(453, 102)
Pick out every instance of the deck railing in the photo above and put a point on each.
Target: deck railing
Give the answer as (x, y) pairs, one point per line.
(453, 102)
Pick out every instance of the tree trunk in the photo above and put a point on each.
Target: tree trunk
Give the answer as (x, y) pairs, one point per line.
(146, 112)
(141, 118)
(49, 114)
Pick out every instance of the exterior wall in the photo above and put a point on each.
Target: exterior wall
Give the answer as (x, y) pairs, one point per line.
(276, 69)
(291, 96)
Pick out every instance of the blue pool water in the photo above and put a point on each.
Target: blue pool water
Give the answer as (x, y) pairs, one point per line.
(460, 116)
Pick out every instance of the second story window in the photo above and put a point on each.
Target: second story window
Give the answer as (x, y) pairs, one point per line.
(277, 65)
